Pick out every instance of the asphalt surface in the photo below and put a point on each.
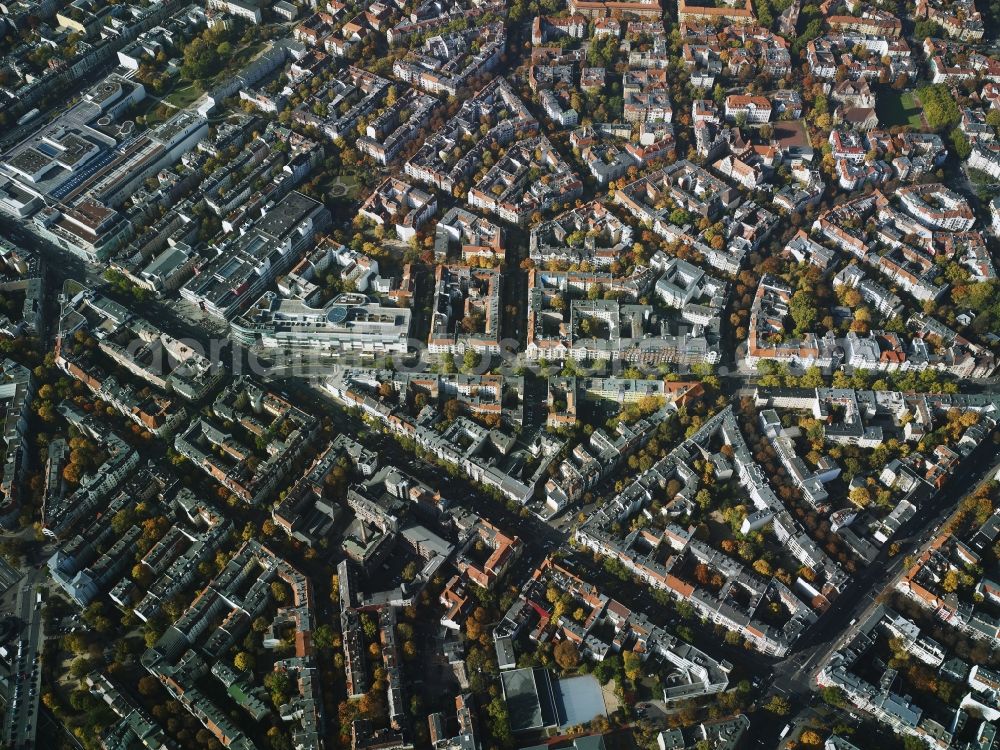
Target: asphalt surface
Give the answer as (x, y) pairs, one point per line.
(25, 678)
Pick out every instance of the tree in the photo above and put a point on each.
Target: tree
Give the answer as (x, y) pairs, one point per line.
(148, 686)
(860, 496)
(632, 665)
(679, 217)
(75, 643)
(499, 721)
(809, 738)
(833, 695)
(278, 740)
(82, 701)
(992, 119)
(280, 685)
(813, 378)
(566, 655)
(409, 571)
(279, 592)
(803, 310)
(81, 667)
(950, 582)
(961, 144)
(71, 473)
(704, 499)
(471, 360)
(201, 59)
(452, 409)
(778, 705)
(243, 661)
(925, 28)
(939, 106)
(323, 636)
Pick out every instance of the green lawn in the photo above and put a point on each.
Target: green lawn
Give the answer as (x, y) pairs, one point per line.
(153, 111)
(344, 186)
(184, 96)
(900, 109)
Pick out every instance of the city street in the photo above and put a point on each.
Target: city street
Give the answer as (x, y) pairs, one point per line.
(25, 678)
